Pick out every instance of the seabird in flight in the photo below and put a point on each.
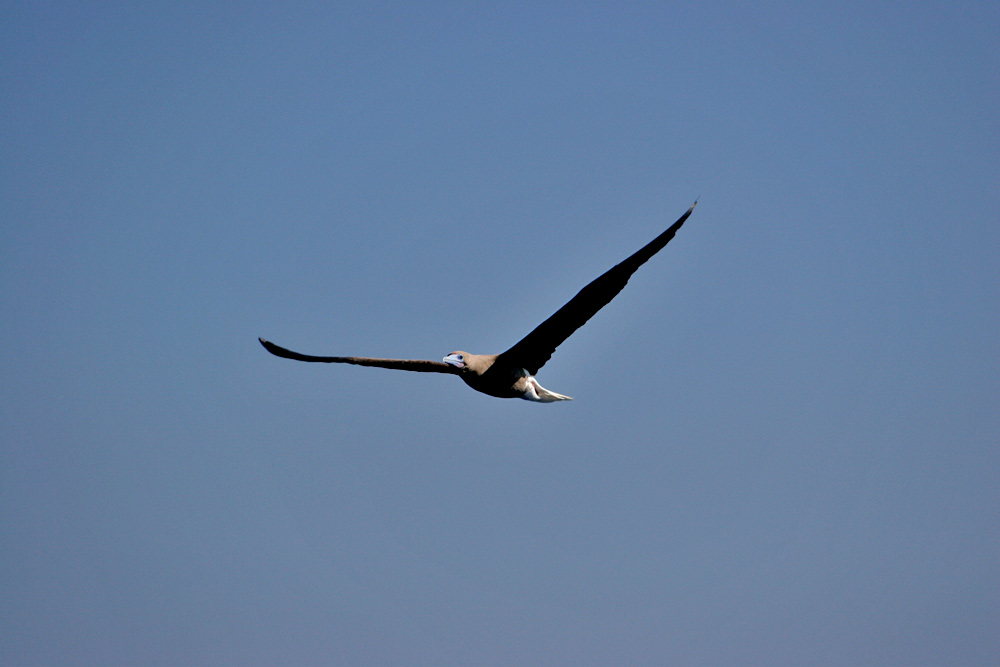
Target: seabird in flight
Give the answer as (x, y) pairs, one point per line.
(512, 373)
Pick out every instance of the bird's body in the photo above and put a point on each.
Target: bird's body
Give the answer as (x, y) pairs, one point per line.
(512, 373)
(503, 380)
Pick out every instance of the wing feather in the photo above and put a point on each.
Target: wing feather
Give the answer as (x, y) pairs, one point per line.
(418, 365)
(532, 351)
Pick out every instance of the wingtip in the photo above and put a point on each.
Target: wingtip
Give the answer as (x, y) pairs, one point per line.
(274, 349)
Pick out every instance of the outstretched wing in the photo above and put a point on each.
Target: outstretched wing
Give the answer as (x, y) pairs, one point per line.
(532, 351)
(418, 365)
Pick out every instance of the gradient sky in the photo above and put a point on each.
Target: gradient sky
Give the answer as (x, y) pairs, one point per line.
(784, 447)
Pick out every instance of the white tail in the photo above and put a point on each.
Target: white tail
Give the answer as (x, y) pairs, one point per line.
(537, 392)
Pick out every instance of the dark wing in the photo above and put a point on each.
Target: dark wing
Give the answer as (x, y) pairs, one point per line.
(536, 348)
(418, 365)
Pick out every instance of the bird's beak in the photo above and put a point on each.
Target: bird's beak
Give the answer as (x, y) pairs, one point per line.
(454, 361)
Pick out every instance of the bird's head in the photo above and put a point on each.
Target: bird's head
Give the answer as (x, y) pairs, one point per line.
(474, 364)
(457, 359)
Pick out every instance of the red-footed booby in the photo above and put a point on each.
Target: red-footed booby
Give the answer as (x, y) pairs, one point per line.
(512, 373)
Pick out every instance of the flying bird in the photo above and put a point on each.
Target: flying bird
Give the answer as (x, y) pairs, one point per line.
(512, 373)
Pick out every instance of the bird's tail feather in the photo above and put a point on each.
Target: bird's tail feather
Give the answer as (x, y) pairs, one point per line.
(546, 396)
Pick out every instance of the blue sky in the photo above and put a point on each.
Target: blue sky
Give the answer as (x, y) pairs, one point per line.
(783, 443)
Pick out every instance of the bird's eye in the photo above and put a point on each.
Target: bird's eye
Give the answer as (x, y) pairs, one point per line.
(461, 357)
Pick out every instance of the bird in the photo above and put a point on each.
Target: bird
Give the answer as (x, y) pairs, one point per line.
(511, 374)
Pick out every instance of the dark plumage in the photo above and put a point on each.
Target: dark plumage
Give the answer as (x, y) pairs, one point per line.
(511, 374)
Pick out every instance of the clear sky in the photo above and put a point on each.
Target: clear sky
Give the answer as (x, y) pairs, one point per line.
(784, 447)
